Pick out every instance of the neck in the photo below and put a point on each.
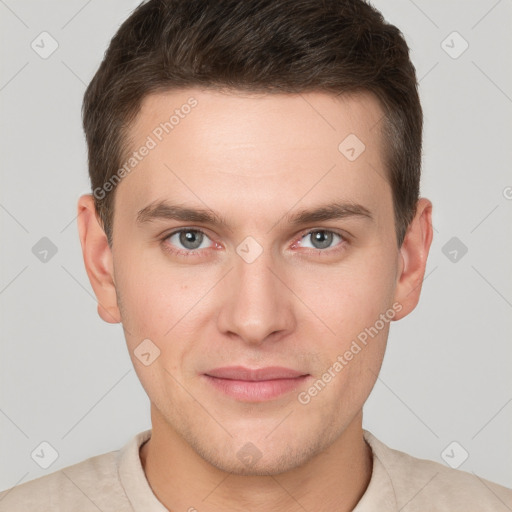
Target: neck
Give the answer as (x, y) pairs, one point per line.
(332, 480)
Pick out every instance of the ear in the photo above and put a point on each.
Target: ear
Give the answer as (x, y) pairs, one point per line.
(98, 259)
(413, 258)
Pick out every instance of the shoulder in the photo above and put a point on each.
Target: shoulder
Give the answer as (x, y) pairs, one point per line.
(90, 485)
(420, 484)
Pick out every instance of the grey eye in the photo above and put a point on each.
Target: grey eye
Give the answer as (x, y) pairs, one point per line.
(320, 239)
(190, 239)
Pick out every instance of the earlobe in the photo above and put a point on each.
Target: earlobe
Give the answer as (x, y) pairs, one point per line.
(413, 258)
(98, 259)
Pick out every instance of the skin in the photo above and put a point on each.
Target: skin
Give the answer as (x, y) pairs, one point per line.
(254, 159)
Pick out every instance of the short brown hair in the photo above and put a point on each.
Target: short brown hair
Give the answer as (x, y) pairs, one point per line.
(278, 46)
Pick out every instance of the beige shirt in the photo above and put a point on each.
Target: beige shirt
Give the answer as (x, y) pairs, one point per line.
(115, 482)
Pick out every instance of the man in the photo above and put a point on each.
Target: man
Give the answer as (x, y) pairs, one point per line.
(255, 225)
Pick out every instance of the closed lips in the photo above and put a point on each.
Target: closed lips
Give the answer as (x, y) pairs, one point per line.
(255, 375)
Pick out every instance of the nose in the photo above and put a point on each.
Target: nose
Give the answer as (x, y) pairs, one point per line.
(257, 305)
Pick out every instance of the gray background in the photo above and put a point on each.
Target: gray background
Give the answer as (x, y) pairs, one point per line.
(66, 377)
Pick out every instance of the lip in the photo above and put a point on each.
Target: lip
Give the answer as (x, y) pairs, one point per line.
(255, 385)
(254, 375)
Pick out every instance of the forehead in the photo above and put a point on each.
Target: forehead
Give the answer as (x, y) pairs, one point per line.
(258, 148)
(218, 116)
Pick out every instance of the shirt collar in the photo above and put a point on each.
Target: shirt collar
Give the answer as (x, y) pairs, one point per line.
(380, 494)
(133, 479)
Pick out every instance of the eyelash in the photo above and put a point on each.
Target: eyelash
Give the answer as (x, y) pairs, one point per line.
(197, 252)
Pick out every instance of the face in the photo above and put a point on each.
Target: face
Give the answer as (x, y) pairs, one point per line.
(255, 252)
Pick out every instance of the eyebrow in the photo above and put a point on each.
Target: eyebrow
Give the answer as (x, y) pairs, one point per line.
(331, 211)
(163, 210)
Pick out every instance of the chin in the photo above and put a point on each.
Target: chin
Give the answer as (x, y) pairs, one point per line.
(261, 458)
(265, 466)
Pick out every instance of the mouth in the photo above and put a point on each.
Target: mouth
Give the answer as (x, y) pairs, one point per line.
(255, 385)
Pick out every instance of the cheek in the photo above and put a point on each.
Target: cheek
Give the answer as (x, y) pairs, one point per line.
(148, 289)
(161, 302)
(351, 296)
(158, 305)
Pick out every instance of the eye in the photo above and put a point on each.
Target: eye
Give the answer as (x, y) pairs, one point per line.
(320, 239)
(187, 239)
